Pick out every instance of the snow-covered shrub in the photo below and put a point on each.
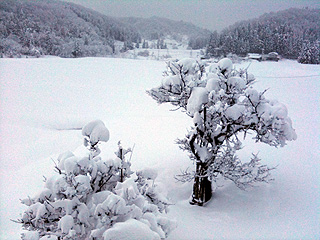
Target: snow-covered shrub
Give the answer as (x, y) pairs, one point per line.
(94, 198)
(223, 104)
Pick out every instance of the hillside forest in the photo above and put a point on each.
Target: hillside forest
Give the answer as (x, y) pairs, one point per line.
(35, 28)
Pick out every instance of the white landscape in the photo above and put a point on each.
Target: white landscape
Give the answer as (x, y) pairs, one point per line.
(44, 101)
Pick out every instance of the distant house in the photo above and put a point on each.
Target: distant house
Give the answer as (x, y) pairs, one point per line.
(272, 56)
(217, 52)
(254, 56)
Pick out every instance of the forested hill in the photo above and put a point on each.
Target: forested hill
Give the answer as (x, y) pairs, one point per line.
(156, 27)
(286, 32)
(50, 27)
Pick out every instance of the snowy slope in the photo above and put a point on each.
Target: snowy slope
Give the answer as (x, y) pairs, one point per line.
(43, 101)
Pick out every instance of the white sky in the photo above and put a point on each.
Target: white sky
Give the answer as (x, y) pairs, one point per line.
(210, 14)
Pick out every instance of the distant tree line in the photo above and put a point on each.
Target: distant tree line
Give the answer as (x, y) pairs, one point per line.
(198, 42)
(293, 33)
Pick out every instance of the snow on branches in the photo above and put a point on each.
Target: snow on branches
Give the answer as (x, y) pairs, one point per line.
(93, 133)
(94, 198)
(223, 104)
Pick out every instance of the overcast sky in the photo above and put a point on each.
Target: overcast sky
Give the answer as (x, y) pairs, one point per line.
(210, 14)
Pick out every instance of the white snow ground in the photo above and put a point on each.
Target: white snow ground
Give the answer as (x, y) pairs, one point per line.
(44, 100)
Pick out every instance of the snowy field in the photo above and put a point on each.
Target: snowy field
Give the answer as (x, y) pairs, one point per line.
(44, 100)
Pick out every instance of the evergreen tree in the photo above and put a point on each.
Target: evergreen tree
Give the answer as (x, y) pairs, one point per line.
(145, 44)
(158, 44)
(310, 53)
(213, 44)
(77, 50)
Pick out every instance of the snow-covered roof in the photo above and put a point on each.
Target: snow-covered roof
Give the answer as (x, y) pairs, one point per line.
(254, 55)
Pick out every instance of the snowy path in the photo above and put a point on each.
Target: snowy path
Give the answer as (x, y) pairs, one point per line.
(41, 98)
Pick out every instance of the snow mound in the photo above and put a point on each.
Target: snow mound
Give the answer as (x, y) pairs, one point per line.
(213, 68)
(147, 173)
(66, 223)
(96, 131)
(235, 112)
(172, 83)
(225, 66)
(277, 113)
(82, 183)
(198, 97)
(189, 65)
(50, 237)
(30, 235)
(213, 84)
(253, 95)
(127, 189)
(236, 83)
(130, 230)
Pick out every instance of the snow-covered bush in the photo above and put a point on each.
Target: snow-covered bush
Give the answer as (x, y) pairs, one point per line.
(223, 104)
(94, 198)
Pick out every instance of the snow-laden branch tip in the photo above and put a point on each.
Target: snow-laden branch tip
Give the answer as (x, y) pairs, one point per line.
(96, 131)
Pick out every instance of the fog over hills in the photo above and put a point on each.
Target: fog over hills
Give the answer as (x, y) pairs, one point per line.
(151, 28)
(212, 15)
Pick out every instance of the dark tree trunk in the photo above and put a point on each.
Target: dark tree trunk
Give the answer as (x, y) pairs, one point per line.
(202, 191)
(121, 170)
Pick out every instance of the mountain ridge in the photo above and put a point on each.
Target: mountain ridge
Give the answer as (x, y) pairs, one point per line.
(165, 25)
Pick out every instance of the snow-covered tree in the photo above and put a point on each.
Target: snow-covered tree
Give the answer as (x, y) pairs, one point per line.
(310, 53)
(212, 44)
(223, 105)
(98, 199)
(77, 50)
